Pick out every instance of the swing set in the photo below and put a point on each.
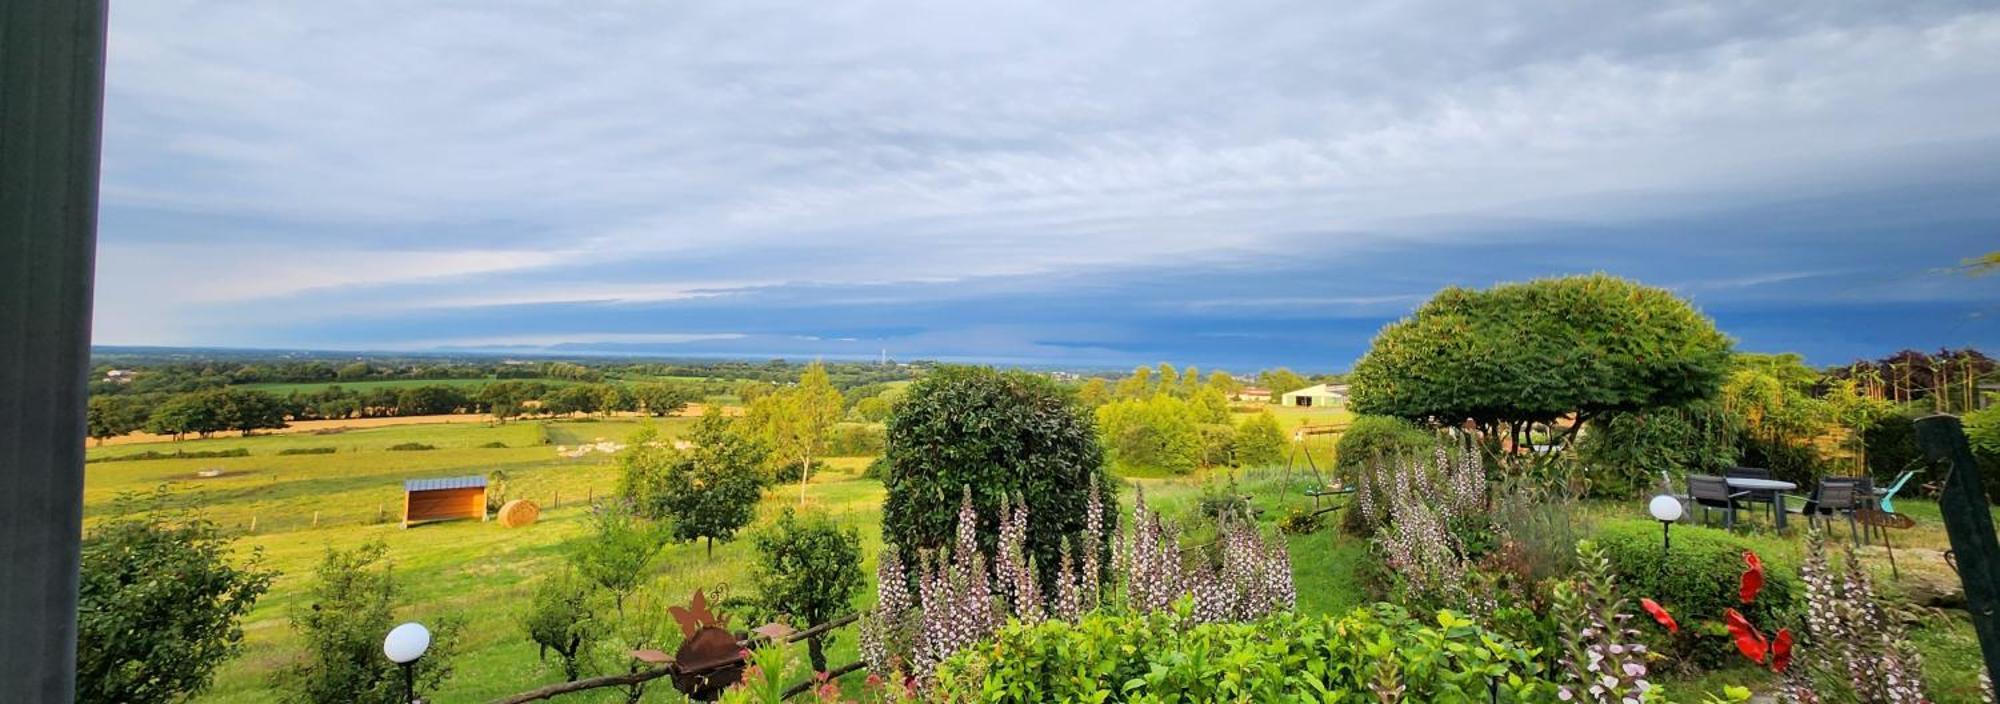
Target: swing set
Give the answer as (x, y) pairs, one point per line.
(1321, 492)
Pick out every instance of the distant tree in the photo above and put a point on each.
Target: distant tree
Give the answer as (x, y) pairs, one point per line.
(618, 552)
(159, 605)
(354, 372)
(1159, 432)
(348, 610)
(754, 391)
(575, 398)
(873, 409)
(1093, 393)
(1522, 354)
(563, 616)
(1210, 405)
(1223, 382)
(504, 399)
(614, 398)
(430, 400)
(1138, 385)
(797, 420)
(1190, 380)
(112, 416)
(199, 413)
(664, 399)
(1280, 381)
(807, 568)
(1169, 379)
(247, 411)
(707, 492)
(1260, 442)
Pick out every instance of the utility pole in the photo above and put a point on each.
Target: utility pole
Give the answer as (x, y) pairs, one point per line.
(51, 108)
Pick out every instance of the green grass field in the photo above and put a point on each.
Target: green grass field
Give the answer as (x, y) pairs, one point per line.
(484, 573)
(285, 389)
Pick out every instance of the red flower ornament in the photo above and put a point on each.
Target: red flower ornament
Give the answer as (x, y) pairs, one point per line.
(1753, 578)
(1748, 640)
(1781, 650)
(1660, 614)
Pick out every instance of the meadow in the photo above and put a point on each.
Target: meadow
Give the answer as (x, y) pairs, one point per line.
(290, 508)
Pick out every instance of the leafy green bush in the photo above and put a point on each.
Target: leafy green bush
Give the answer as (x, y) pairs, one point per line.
(175, 455)
(807, 569)
(308, 451)
(1302, 521)
(707, 492)
(854, 440)
(1697, 580)
(495, 445)
(348, 610)
(999, 433)
(1627, 451)
(1260, 442)
(158, 607)
(1372, 438)
(1368, 654)
(563, 617)
(411, 447)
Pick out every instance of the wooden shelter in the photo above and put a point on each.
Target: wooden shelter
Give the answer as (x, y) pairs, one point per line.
(443, 499)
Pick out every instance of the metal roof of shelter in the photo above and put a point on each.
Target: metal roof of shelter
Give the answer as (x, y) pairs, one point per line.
(471, 482)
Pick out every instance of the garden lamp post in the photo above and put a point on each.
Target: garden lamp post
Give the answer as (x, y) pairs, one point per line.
(404, 645)
(1666, 509)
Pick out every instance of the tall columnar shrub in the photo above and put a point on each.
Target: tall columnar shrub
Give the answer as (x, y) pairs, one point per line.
(1429, 521)
(1001, 434)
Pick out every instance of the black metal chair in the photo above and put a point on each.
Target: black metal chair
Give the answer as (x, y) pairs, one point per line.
(1709, 491)
(1837, 496)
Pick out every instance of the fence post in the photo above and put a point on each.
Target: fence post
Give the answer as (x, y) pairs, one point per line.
(315, 519)
(1969, 524)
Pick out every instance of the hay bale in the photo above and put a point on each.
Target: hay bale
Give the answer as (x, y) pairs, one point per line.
(519, 512)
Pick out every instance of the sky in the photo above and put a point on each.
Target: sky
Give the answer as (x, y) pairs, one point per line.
(1235, 184)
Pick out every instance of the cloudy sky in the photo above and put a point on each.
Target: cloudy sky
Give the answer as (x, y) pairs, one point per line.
(1234, 183)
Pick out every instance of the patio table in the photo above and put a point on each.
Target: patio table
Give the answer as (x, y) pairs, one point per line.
(1772, 487)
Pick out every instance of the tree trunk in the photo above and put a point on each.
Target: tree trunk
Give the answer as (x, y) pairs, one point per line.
(815, 650)
(711, 546)
(804, 473)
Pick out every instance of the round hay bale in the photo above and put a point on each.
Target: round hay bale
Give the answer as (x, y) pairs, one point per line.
(519, 512)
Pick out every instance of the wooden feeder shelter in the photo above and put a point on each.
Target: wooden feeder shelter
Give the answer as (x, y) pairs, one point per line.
(445, 499)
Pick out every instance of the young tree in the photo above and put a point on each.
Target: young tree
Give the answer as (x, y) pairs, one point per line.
(563, 617)
(1158, 432)
(618, 553)
(1093, 393)
(351, 607)
(664, 399)
(807, 568)
(614, 398)
(112, 416)
(159, 606)
(1259, 441)
(796, 420)
(708, 492)
(1280, 381)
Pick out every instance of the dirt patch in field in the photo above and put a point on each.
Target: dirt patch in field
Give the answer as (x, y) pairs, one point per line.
(328, 427)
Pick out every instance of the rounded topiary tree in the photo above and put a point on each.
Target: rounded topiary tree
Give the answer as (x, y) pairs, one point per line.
(1536, 352)
(1000, 434)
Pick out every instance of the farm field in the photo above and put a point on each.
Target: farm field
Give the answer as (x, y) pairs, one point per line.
(285, 389)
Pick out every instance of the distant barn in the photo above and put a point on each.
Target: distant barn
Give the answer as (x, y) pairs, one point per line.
(443, 499)
(1319, 395)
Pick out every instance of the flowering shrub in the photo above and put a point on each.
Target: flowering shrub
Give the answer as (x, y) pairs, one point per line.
(1430, 523)
(1851, 650)
(960, 601)
(1378, 654)
(1602, 660)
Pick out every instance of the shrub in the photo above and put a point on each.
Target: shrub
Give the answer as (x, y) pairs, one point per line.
(807, 568)
(618, 553)
(1002, 434)
(1259, 440)
(1627, 451)
(562, 616)
(158, 607)
(1696, 581)
(1302, 521)
(495, 445)
(308, 451)
(1157, 432)
(854, 440)
(175, 455)
(411, 447)
(349, 609)
(1378, 438)
(1379, 654)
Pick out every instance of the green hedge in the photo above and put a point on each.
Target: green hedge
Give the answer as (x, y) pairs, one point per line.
(1386, 437)
(1699, 579)
(308, 451)
(1285, 657)
(175, 455)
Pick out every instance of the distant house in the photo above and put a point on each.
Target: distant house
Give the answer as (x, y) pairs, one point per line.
(1327, 395)
(1253, 394)
(120, 375)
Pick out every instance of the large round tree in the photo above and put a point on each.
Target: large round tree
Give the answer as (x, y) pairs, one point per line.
(1518, 354)
(997, 433)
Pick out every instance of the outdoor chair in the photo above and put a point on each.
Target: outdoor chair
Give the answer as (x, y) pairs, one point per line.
(1895, 487)
(1709, 491)
(1836, 496)
(1770, 500)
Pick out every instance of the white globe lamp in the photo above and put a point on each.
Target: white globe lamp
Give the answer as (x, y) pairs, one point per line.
(404, 645)
(1666, 509)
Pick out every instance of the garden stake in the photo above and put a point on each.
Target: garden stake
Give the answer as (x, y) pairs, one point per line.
(1969, 524)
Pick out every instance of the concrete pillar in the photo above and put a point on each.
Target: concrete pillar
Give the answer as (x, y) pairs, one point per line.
(51, 102)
